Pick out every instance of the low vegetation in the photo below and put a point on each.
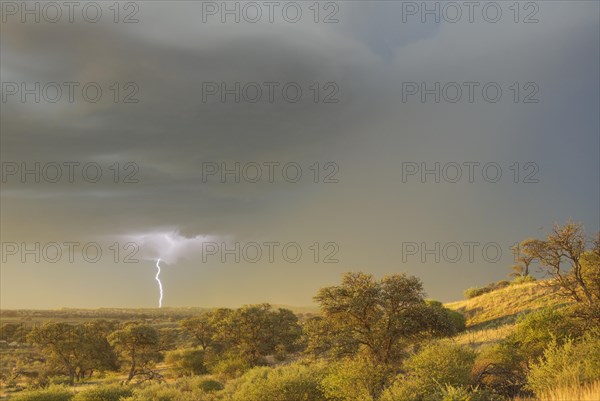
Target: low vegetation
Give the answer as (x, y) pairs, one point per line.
(372, 340)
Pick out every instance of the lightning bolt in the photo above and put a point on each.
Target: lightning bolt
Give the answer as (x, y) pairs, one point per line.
(157, 278)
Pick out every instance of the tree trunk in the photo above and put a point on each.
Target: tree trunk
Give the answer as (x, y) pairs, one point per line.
(133, 364)
(131, 372)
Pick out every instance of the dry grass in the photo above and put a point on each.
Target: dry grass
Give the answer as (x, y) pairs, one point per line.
(491, 317)
(589, 392)
(481, 337)
(505, 305)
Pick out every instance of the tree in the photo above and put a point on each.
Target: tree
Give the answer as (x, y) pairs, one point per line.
(590, 274)
(58, 341)
(377, 317)
(254, 331)
(200, 328)
(75, 349)
(523, 258)
(575, 269)
(218, 322)
(168, 338)
(140, 345)
(325, 338)
(286, 331)
(97, 352)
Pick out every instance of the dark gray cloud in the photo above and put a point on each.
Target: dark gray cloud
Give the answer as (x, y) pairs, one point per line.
(368, 133)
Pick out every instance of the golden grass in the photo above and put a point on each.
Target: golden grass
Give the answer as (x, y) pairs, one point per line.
(590, 392)
(482, 337)
(491, 317)
(505, 305)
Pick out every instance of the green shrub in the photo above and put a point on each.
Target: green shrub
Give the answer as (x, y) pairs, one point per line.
(446, 321)
(442, 362)
(523, 279)
(451, 393)
(462, 393)
(155, 392)
(209, 385)
(404, 390)
(500, 284)
(183, 389)
(442, 393)
(439, 364)
(571, 364)
(52, 393)
(458, 320)
(103, 393)
(536, 330)
(355, 379)
(296, 382)
(477, 291)
(502, 368)
(187, 362)
(473, 292)
(230, 367)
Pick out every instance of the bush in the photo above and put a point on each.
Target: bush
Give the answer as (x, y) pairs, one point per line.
(209, 386)
(573, 364)
(462, 393)
(502, 368)
(535, 330)
(230, 366)
(52, 393)
(501, 284)
(164, 392)
(184, 389)
(103, 393)
(442, 362)
(446, 321)
(523, 279)
(446, 393)
(187, 362)
(439, 364)
(155, 392)
(477, 291)
(473, 292)
(296, 382)
(458, 320)
(405, 390)
(355, 379)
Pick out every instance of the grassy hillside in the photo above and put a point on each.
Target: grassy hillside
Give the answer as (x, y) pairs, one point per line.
(491, 317)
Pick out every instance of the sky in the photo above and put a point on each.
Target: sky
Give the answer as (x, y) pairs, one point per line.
(346, 161)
